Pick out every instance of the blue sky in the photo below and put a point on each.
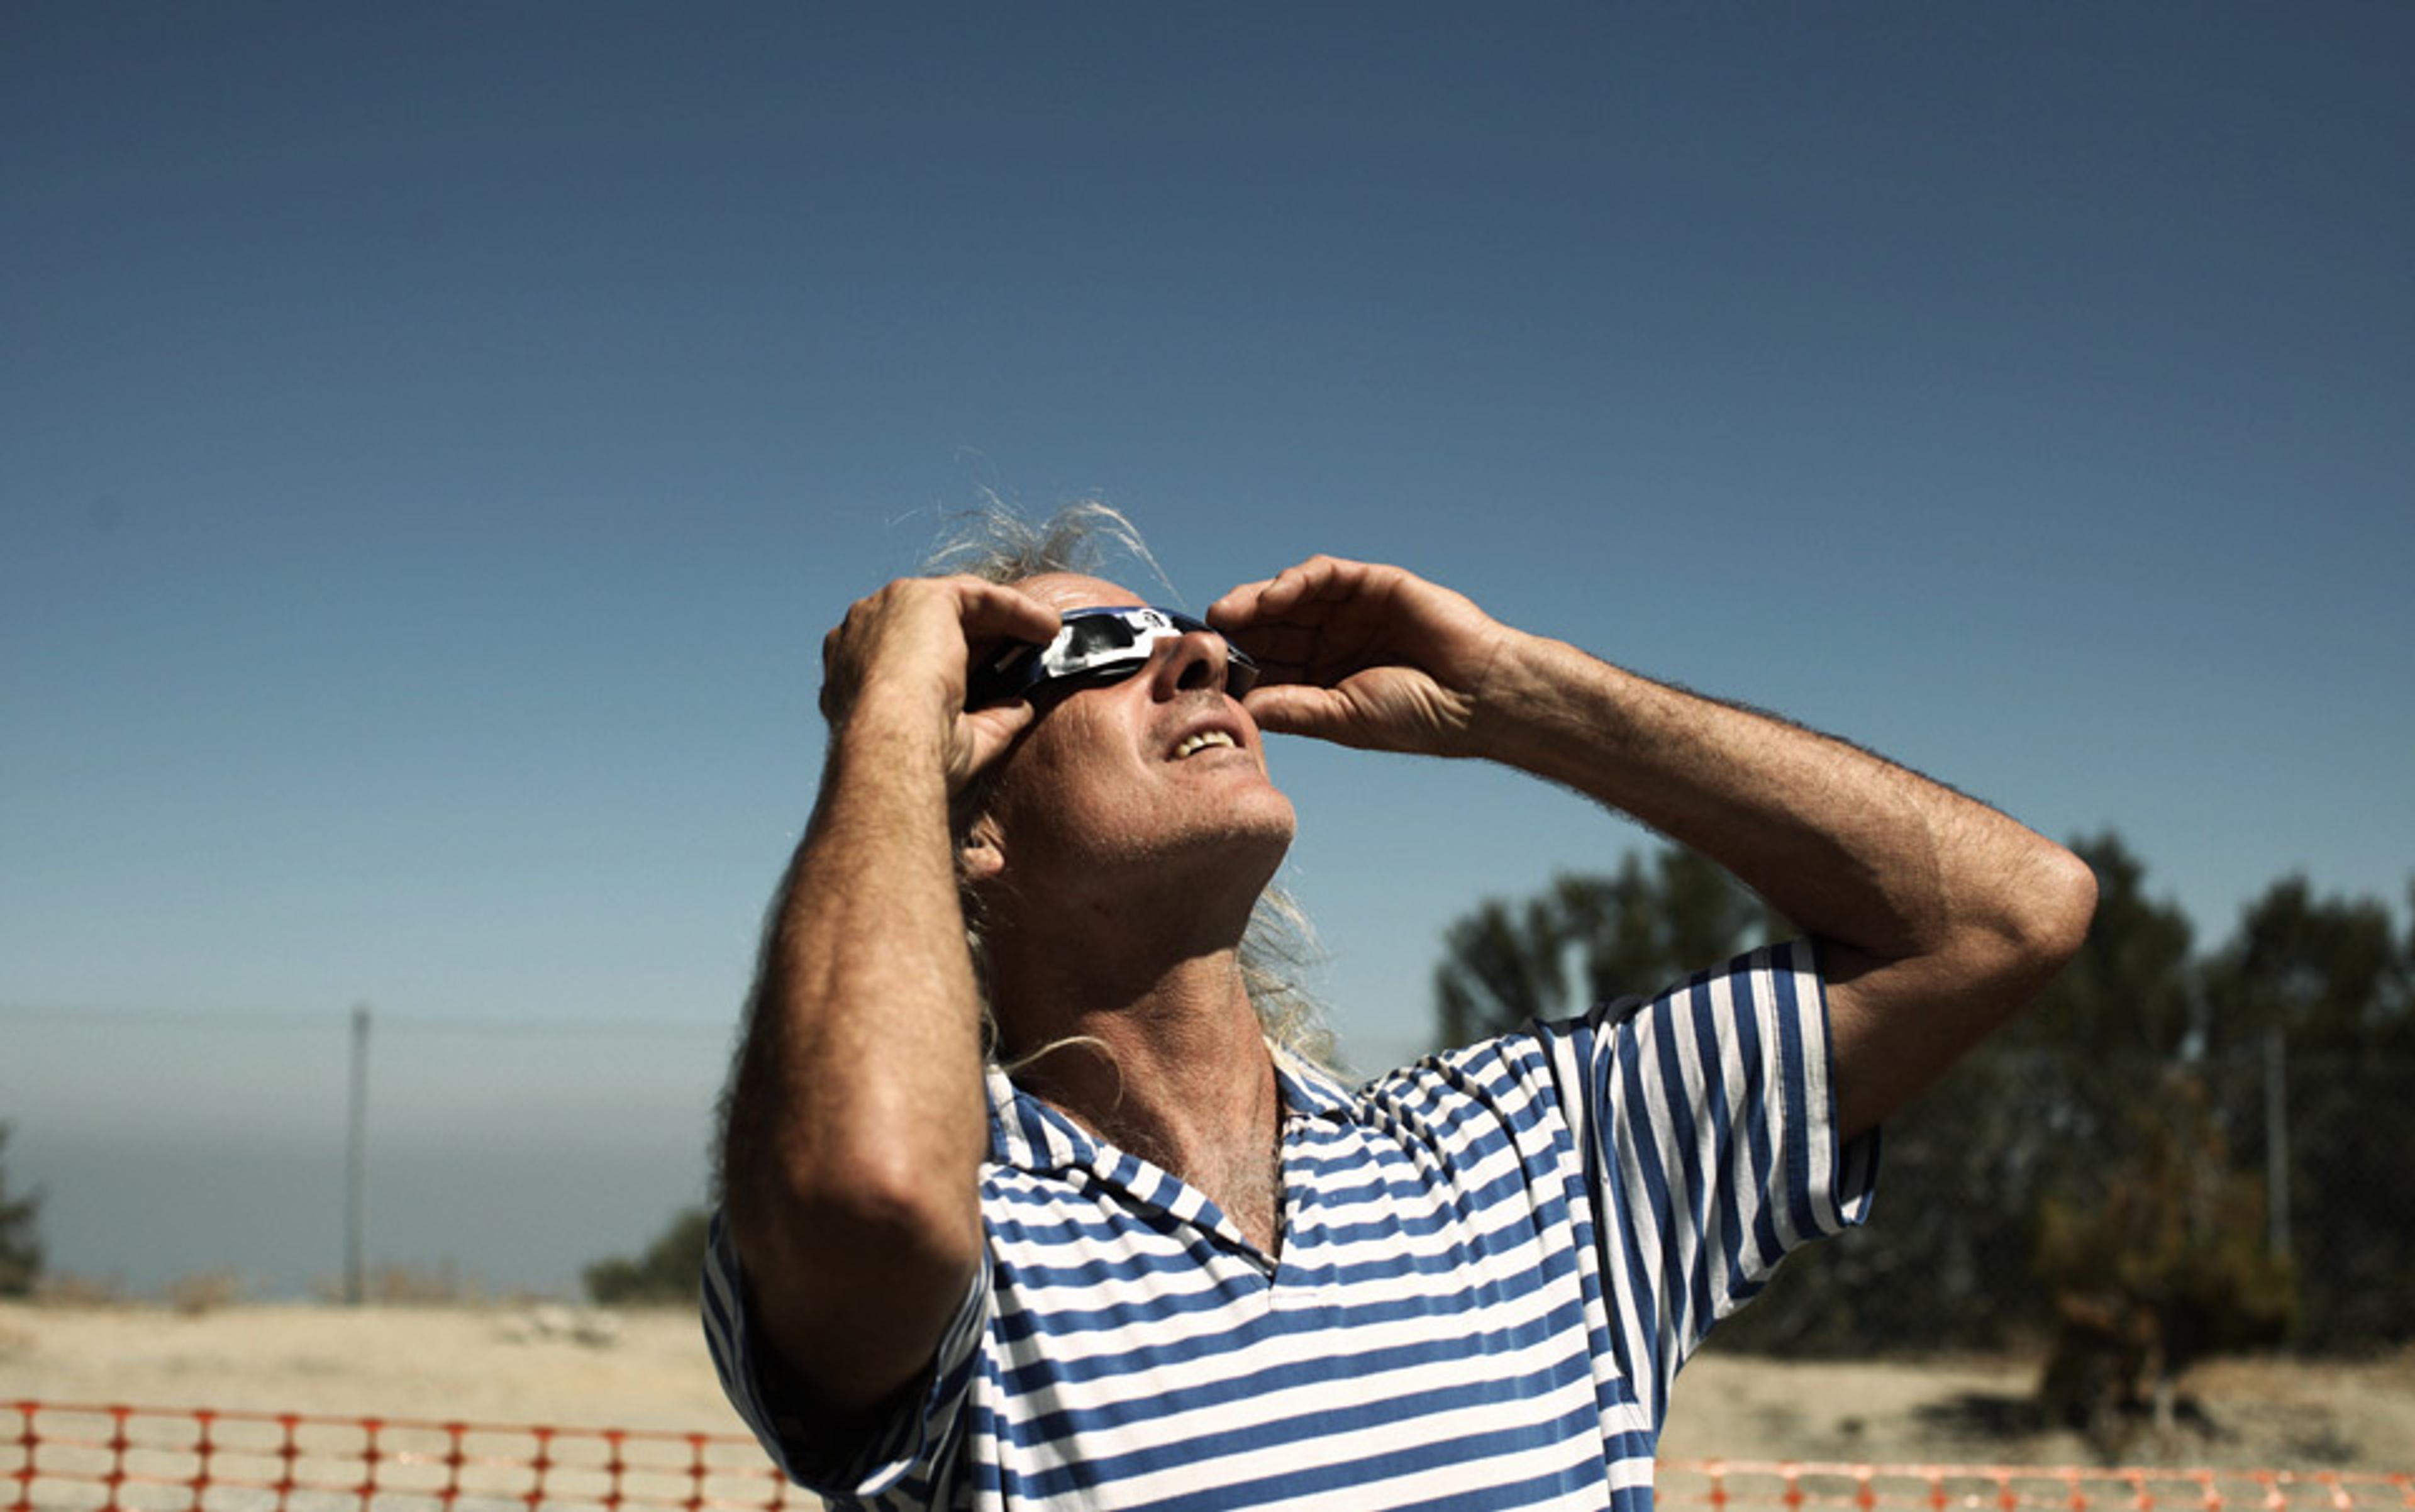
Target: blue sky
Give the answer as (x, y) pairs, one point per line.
(438, 437)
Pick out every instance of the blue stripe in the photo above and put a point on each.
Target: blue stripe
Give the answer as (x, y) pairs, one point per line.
(1632, 1126)
(1764, 1215)
(1798, 1117)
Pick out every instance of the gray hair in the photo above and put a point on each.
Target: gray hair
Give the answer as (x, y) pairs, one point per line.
(999, 546)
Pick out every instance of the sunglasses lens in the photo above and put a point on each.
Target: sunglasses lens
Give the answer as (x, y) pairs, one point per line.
(1084, 640)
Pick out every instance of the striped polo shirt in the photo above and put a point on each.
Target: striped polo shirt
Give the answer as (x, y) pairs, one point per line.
(1492, 1264)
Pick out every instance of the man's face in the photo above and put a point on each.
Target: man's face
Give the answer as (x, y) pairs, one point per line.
(1163, 769)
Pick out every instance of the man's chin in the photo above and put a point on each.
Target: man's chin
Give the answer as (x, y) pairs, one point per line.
(1268, 817)
(1243, 845)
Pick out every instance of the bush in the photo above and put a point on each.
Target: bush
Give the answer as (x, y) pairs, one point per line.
(671, 1269)
(21, 1249)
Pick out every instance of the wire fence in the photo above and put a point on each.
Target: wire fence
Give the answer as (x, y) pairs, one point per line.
(121, 1458)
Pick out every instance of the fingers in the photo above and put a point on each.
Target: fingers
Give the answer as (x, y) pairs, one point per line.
(1317, 622)
(995, 611)
(1304, 594)
(1308, 592)
(924, 633)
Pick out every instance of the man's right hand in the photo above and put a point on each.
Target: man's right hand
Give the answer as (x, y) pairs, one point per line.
(905, 652)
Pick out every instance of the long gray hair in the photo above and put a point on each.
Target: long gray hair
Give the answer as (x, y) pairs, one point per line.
(999, 546)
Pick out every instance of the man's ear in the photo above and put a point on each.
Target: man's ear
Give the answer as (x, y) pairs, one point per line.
(982, 855)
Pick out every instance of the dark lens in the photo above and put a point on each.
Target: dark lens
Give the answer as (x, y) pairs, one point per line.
(1002, 678)
(1099, 633)
(1048, 690)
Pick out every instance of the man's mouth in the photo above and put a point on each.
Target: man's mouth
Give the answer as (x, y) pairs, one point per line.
(1201, 742)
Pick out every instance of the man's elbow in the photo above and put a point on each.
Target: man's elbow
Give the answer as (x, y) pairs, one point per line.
(2043, 915)
(851, 1277)
(831, 1220)
(2066, 905)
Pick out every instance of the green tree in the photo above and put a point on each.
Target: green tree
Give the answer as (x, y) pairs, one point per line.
(2322, 985)
(671, 1269)
(20, 1247)
(1503, 964)
(1642, 929)
(2158, 1263)
(1632, 932)
(2329, 972)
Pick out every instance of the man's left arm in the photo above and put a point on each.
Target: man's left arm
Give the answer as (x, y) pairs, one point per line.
(1940, 918)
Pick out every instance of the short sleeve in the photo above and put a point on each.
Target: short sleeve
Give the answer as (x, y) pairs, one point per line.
(913, 1446)
(1711, 1147)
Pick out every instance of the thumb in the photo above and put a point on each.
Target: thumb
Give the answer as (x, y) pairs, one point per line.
(988, 732)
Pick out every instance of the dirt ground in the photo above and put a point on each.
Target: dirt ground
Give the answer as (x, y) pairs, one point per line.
(646, 1370)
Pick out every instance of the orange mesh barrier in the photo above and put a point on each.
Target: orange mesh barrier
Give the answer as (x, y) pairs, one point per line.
(1743, 1485)
(145, 1460)
(174, 1460)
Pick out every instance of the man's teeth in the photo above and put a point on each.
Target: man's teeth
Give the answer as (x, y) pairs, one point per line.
(1201, 742)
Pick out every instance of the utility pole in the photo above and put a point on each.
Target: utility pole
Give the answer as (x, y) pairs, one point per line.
(357, 1159)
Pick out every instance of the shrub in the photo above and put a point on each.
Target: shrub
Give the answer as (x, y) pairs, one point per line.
(670, 1270)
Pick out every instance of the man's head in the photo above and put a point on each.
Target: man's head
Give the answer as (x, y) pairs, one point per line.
(1130, 778)
(1151, 783)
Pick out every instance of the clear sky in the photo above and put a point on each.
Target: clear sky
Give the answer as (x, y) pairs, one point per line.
(437, 437)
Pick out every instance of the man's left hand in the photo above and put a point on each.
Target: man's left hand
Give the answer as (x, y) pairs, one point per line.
(1365, 655)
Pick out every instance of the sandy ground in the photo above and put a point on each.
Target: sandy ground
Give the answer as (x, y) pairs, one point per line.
(646, 1370)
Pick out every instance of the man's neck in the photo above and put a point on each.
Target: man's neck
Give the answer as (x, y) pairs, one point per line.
(1163, 1058)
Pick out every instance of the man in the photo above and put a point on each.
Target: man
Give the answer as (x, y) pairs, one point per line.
(1159, 1262)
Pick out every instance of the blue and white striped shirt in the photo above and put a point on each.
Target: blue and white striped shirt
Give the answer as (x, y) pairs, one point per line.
(1492, 1264)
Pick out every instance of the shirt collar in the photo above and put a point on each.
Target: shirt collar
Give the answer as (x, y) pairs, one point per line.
(1026, 1134)
(1309, 1090)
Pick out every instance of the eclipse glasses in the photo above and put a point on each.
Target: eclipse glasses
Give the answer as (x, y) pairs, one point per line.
(1097, 646)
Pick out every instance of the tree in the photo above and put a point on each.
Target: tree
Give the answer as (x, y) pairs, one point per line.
(671, 1269)
(21, 1249)
(2321, 985)
(1503, 965)
(2161, 1263)
(1636, 931)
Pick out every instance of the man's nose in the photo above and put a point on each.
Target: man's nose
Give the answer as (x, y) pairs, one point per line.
(1195, 660)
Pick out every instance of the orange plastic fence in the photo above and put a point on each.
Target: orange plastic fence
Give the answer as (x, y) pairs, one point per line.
(182, 1460)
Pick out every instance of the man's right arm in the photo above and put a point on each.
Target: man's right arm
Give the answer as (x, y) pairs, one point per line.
(857, 1122)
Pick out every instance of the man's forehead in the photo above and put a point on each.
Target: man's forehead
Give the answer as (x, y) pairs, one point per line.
(1072, 590)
